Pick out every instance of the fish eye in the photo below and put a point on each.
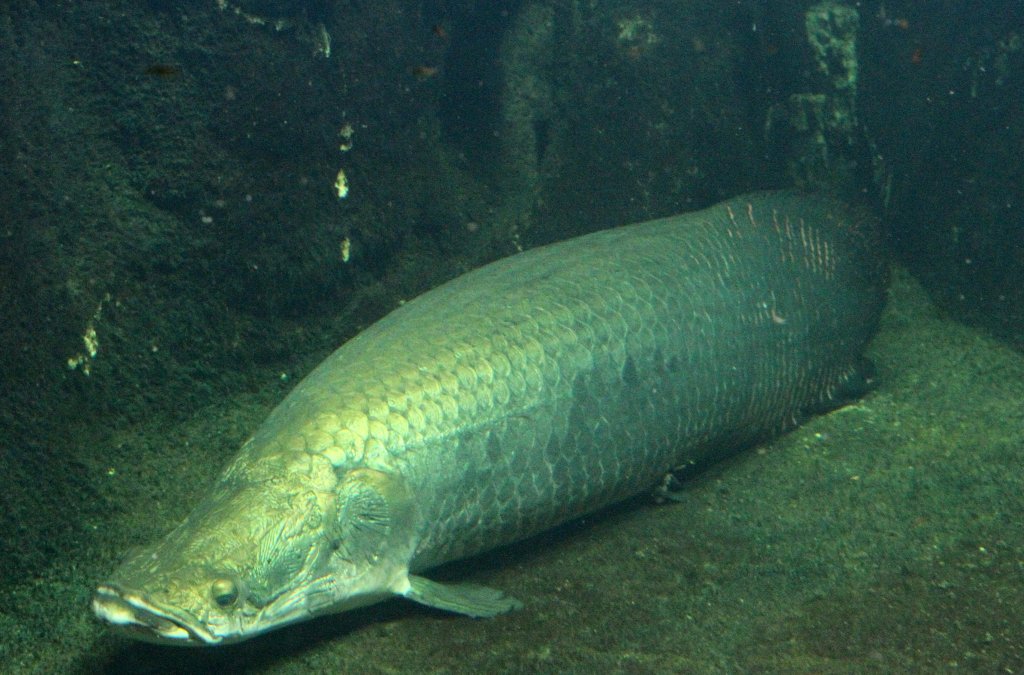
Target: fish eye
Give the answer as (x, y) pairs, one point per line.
(224, 592)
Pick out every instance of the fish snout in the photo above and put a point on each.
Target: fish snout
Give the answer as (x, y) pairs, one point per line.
(133, 614)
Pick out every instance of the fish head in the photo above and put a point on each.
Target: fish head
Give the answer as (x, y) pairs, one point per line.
(253, 557)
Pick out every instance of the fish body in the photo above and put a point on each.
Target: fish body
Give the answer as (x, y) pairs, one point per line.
(511, 399)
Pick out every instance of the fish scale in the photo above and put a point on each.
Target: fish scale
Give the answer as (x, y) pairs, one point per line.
(513, 398)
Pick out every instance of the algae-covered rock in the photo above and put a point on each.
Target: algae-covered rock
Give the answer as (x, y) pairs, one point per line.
(817, 131)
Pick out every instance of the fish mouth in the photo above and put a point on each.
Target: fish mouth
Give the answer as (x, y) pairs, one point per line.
(133, 614)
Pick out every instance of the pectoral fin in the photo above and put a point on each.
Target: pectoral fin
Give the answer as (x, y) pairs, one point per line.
(468, 599)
